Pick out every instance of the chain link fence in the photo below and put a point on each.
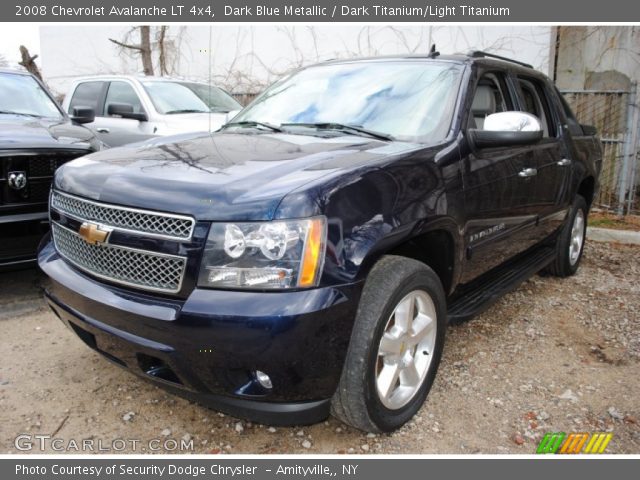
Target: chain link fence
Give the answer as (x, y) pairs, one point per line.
(615, 114)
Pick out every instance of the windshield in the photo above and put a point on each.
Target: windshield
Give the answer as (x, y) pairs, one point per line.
(411, 101)
(217, 99)
(186, 97)
(23, 95)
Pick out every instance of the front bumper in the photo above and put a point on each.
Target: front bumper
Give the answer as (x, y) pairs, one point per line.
(209, 346)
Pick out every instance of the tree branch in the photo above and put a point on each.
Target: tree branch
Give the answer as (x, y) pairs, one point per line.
(126, 45)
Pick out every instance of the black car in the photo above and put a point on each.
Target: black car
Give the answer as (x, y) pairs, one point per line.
(309, 255)
(36, 137)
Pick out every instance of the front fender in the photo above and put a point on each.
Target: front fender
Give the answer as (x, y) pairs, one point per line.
(418, 233)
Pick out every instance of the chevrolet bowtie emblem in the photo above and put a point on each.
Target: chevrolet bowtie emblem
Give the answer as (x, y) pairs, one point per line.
(93, 234)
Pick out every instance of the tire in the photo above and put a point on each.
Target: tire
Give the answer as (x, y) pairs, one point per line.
(567, 258)
(392, 287)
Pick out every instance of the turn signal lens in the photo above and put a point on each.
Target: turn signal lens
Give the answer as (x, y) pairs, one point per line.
(313, 253)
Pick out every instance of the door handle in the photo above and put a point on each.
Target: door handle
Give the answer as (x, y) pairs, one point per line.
(528, 172)
(565, 162)
(102, 130)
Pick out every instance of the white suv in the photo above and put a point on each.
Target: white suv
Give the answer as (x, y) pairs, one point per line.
(130, 109)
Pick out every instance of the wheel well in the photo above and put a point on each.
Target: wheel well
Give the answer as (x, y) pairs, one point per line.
(587, 190)
(436, 249)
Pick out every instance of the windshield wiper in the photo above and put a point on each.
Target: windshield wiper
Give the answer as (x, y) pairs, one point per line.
(251, 123)
(354, 129)
(8, 112)
(186, 110)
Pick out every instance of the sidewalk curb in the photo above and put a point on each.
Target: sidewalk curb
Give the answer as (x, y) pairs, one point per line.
(609, 235)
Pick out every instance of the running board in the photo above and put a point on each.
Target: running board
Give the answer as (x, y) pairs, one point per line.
(475, 297)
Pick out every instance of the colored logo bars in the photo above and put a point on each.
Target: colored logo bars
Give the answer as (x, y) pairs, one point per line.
(574, 443)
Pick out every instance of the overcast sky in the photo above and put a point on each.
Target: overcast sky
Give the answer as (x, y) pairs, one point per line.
(14, 35)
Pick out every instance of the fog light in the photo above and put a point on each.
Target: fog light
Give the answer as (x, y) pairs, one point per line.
(264, 380)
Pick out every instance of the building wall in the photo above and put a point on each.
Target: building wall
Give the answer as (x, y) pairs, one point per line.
(606, 58)
(248, 58)
(598, 57)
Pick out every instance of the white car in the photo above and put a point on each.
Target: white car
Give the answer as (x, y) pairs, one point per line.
(130, 109)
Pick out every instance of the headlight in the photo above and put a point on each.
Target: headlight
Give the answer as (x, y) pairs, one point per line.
(264, 255)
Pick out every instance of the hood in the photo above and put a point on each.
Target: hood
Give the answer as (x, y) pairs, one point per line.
(19, 131)
(193, 122)
(224, 176)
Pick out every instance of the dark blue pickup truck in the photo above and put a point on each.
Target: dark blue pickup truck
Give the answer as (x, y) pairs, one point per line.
(307, 258)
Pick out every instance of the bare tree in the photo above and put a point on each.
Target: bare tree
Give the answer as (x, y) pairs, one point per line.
(156, 47)
(29, 62)
(248, 71)
(161, 35)
(141, 49)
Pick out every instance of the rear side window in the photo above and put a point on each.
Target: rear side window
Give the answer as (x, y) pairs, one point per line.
(122, 92)
(535, 102)
(87, 94)
(574, 127)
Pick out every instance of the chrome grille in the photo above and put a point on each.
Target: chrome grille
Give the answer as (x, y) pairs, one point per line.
(137, 268)
(139, 221)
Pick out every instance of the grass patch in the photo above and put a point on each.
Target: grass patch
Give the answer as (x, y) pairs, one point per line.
(608, 220)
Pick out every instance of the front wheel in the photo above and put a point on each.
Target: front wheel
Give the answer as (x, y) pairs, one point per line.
(395, 348)
(570, 242)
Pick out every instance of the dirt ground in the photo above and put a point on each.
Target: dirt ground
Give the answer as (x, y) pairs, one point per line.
(555, 355)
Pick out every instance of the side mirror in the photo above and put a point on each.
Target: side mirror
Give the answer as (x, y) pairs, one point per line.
(82, 115)
(507, 129)
(125, 110)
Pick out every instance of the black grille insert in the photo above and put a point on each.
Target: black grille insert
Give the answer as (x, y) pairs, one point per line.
(38, 167)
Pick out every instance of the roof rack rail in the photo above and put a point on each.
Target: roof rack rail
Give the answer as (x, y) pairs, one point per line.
(482, 54)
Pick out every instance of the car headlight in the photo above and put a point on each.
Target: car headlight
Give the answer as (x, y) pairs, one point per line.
(264, 255)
